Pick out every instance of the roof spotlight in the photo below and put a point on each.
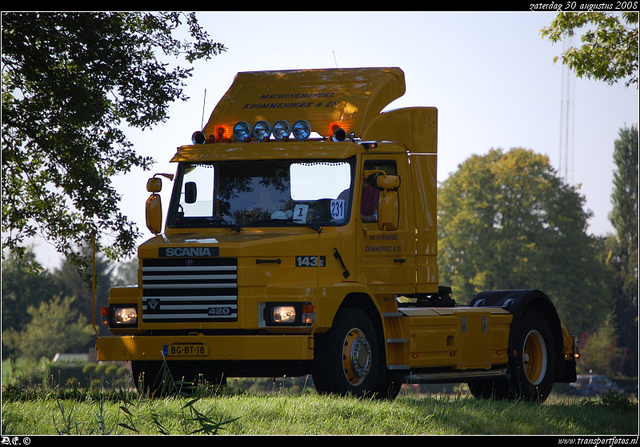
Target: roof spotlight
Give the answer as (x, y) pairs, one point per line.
(281, 130)
(242, 131)
(262, 130)
(301, 130)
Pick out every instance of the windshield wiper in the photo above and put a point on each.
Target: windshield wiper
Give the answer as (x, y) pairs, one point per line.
(318, 228)
(200, 222)
(223, 223)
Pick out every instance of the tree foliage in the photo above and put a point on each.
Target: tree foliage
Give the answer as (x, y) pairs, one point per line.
(608, 53)
(507, 221)
(622, 248)
(70, 83)
(71, 281)
(624, 215)
(54, 327)
(21, 289)
(599, 351)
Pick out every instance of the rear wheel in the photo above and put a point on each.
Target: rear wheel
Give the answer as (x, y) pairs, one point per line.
(348, 356)
(531, 368)
(489, 389)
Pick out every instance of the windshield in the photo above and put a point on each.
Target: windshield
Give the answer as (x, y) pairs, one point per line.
(261, 193)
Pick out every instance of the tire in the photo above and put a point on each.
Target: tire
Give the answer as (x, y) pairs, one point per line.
(348, 356)
(489, 389)
(531, 371)
(158, 378)
(147, 377)
(388, 390)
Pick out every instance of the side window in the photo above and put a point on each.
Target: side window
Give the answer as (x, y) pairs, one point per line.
(370, 192)
(198, 179)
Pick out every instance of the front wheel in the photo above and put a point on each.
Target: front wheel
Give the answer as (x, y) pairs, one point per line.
(389, 389)
(348, 356)
(149, 377)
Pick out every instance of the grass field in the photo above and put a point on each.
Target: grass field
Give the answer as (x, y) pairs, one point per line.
(293, 408)
(311, 414)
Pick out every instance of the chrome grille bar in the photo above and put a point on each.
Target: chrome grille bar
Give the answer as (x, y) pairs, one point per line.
(177, 290)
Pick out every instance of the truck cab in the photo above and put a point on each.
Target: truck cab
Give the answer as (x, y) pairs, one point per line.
(301, 238)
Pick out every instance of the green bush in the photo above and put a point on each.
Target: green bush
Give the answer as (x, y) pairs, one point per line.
(618, 402)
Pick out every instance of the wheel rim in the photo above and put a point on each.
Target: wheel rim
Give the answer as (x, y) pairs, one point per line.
(356, 356)
(534, 357)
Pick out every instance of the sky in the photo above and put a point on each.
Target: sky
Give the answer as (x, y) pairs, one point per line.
(491, 76)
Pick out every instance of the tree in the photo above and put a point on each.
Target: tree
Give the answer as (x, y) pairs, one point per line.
(507, 221)
(622, 248)
(71, 281)
(624, 215)
(54, 327)
(126, 273)
(609, 53)
(71, 82)
(21, 289)
(599, 351)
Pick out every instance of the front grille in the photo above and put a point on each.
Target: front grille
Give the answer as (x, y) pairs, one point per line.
(182, 290)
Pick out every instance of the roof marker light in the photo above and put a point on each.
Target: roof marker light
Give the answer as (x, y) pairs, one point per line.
(220, 131)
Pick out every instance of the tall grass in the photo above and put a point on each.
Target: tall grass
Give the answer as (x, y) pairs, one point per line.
(312, 414)
(291, 407)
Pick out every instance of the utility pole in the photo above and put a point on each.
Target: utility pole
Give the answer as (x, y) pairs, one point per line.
(566, 149)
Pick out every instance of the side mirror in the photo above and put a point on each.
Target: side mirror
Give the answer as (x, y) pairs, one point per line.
(388, 208)
(190, 192)
(153, 213)
(153, 208)
(387, 182)
(154, 184)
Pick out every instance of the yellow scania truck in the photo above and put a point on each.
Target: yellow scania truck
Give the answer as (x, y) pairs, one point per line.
(301, 238)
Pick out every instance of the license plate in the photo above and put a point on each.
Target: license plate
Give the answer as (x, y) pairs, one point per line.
(179, 350)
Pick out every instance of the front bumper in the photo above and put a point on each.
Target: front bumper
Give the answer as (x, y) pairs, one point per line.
(231, 347)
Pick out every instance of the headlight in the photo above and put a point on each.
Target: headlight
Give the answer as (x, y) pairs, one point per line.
(281, 130)
(262, 130)
(242, 131)
(301, 130)
(289, 314)
(283, 314)
(125, 315)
